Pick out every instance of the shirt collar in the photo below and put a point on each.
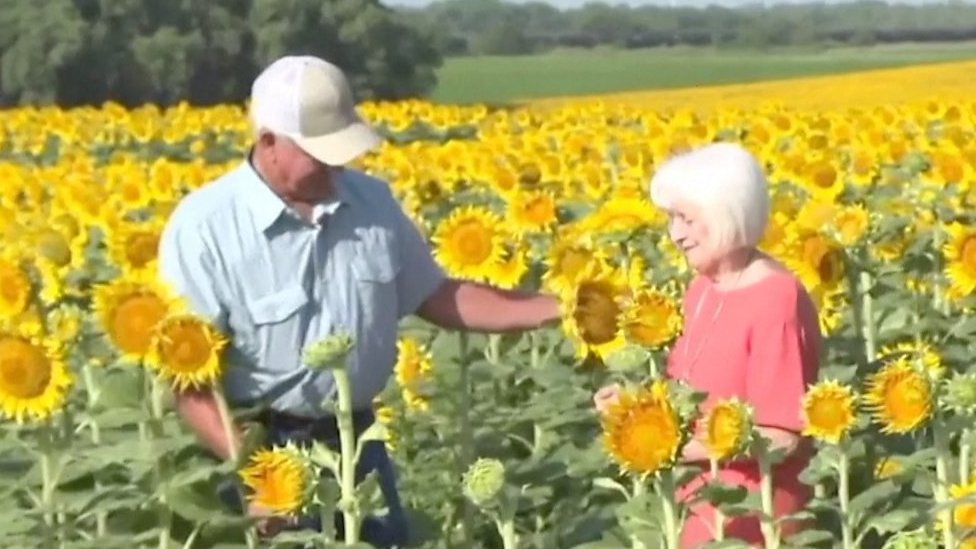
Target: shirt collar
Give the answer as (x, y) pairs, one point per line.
(268, 207)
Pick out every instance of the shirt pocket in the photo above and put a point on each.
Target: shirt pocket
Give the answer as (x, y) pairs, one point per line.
(375, 271)
(280, 321)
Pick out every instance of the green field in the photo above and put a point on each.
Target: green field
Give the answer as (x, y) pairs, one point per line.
(580, 72)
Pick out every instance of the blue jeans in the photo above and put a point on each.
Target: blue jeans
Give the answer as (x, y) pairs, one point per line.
(388, 531)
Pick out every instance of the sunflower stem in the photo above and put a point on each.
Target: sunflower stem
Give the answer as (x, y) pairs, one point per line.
(844, 494)
(91, 390)
(347, 445)
(639, 488)
(227, 422)
(535, 362)
(668, 493)
(467, 435)
(506, 529)
(942, 453)
(535, 356)
(965, 454)
(151, 430)
(233, 450)
(493, 349)
(770, 531)
(857, 304)
(47, 480)
(719, 515)
(867, 310)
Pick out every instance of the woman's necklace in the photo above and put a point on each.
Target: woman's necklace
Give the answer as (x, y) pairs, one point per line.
(688, 365)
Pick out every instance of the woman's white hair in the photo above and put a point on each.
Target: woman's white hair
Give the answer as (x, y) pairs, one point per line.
(726, 181)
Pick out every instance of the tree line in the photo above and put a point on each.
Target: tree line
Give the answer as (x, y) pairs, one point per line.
(84, 52)
(494, 27)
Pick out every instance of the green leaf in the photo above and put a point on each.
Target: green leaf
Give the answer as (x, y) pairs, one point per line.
(872, 497)
(893, 521)
(723, 494)
(811, 538)
(325, 457)
(610, 484)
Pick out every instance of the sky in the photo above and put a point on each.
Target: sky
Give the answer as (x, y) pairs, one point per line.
(697, 3)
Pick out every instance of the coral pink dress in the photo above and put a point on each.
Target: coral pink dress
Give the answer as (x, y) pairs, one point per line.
(761, 343)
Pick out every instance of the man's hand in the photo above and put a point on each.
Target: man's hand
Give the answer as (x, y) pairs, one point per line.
(606, 397)
(463, 305)
(198, 408)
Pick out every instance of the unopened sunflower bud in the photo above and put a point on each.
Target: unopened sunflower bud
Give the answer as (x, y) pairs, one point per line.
(960, 395)
(484, 480)
(329, 353)
(630, 358)
(915, 539)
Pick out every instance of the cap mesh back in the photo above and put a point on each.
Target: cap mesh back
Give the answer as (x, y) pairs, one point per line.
(275, 97)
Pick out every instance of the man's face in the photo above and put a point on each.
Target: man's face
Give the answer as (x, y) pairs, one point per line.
(294, 173)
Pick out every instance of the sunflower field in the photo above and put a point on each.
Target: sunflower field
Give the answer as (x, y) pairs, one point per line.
(495, 437)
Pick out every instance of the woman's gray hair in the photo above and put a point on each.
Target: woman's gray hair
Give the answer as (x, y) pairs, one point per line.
(726, 181)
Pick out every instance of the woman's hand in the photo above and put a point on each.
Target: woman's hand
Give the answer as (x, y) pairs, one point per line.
(606, 397)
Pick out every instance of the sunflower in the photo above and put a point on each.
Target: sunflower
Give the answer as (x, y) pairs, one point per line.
(823, 179)
(64, 323)
(469, 242)
(623, 214)
(34, 378)
(900, 396)
(595, 312)
(134, 246)
(829, 411)
(888, 467)
(652, 318)
(15, 289)
(643, 431)
(386, 416)
(814, 214)
(850, 224)
(508, 272)
(728, 429)
(960, 257)
(186, 350)
(920, 352)
(964, 514)
(280, 480)
(532, 211)
(129, 308)
(817, 259)
(413, 366)
(567, 259)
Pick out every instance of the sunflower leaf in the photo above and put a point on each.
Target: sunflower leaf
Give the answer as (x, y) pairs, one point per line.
(872, 497)
(610, 484)
(895, 520)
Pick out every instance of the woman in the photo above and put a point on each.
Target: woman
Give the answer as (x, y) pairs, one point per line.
(751, 329)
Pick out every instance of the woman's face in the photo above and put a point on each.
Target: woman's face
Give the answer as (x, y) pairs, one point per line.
(688, 229)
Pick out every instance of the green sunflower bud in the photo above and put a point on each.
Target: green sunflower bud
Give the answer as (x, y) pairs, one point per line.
(630, 358)
(960, 395)
(484, 481)
(915, 539)
(329, 353)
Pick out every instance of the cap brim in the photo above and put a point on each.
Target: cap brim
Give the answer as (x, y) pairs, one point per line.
(343, 146)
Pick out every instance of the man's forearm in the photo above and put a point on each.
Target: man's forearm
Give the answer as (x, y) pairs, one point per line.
(461, 305)
(200, 411)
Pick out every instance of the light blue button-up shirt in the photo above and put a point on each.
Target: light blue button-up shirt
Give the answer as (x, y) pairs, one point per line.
(275, 283)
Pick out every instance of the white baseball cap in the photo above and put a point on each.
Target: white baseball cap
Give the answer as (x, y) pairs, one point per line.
(310, 101)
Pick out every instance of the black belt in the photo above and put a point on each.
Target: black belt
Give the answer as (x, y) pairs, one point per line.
(324, 425)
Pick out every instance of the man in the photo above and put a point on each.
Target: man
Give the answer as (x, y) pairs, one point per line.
(290, 246)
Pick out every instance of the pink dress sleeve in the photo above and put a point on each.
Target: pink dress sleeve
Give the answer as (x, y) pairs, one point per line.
(783, 361)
